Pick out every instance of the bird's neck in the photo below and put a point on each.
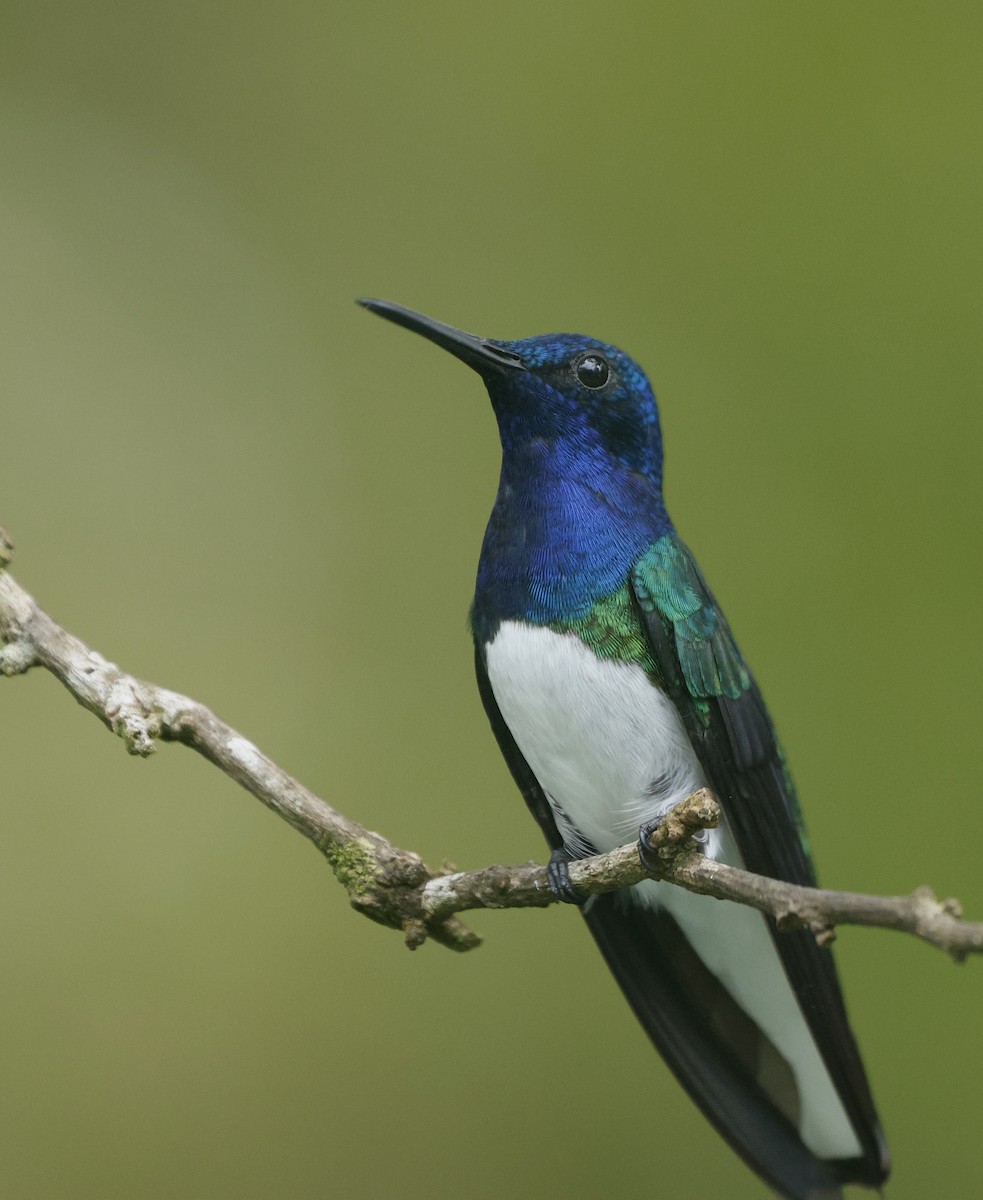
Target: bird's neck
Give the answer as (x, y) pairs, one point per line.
(565, 529)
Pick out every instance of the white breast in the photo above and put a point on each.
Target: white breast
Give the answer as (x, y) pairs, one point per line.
(610, 752)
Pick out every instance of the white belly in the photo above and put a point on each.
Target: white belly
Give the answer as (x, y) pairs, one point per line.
(610, 752)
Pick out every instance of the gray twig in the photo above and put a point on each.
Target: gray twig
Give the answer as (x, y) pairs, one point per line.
(395, 887)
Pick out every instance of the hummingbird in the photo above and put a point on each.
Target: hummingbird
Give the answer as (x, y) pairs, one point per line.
(615, 688)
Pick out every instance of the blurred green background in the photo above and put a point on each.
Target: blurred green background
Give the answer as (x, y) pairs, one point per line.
(226, 477)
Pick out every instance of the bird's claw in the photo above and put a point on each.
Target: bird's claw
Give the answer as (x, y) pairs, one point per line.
(646, 855)
(558, 874)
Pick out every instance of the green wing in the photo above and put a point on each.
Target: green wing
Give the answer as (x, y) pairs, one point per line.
(701, 668)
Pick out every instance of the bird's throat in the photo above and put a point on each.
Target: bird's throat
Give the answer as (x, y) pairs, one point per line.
(560, 542)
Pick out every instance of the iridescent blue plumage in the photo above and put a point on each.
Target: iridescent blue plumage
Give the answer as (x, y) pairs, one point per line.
(614, 686)
(580, 496)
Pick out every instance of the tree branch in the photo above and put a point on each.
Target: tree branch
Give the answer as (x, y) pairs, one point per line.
(395, 887)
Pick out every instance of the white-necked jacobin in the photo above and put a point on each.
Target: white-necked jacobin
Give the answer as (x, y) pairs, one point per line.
(615, 688)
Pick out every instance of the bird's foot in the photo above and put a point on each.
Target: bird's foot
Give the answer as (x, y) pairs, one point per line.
(648, 857)
(558, 874)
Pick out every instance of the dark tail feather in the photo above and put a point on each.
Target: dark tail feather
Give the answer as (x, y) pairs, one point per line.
(730, 1069)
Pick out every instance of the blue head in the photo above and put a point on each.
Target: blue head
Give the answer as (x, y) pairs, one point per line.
(580, 496)
(580, 394)
(558, 389)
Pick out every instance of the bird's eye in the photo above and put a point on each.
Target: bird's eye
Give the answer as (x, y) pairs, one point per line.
(592, 371)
